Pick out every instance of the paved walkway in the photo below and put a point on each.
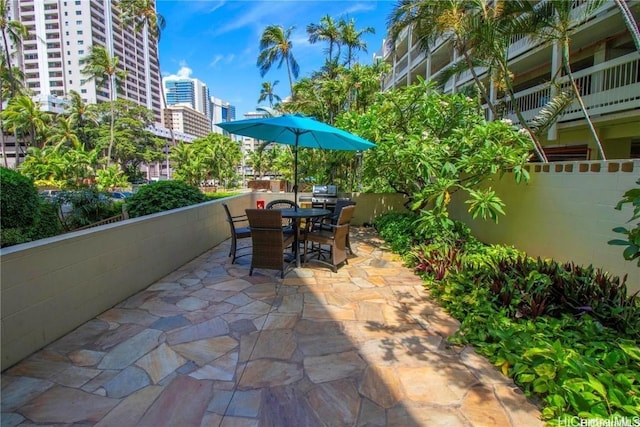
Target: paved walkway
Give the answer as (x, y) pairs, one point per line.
(209, 345)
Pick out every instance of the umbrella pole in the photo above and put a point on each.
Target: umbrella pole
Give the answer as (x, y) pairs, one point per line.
(295, 174)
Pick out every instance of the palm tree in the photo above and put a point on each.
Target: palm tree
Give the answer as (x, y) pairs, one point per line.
(14, 31)
(81, 115)
(630, 22)
(63, 134)
(352, 39)
(275, 46)
(327, 31)
(104, 70)
(560, 24)
(24, 117)
(477, 30)
(142, 14)
(267, 93)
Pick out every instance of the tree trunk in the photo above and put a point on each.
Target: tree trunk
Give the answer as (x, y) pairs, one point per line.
(164, 102)
(479, 84)
(627, 16)
(567, 67)
(290, 79)
(536, 145)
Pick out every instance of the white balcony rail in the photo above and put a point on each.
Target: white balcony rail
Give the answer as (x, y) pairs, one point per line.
(605, 88)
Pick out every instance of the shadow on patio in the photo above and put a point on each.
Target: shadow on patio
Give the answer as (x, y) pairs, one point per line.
(208, 345)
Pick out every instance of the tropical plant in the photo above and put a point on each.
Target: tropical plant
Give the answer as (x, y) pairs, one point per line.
(24, 117)
(111, 178)
(351, 38)
(63, 134)
(480, 31)
(276, 47)
(25, 217)
(143, 14)
(430, 145)
(632, 240)
(105, 70)
(267, 93)
(560, 23)
(327, 31)
(162, 196)
(13, 31)
(82, 117)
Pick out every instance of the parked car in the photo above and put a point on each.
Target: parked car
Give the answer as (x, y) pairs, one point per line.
(50, 194)
(120, 195)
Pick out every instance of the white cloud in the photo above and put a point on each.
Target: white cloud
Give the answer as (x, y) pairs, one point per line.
(222, 59)
(183, 73)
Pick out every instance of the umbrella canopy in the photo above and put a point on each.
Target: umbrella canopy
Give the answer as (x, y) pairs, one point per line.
(300, 131)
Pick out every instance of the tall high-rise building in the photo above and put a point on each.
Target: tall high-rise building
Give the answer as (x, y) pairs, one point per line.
(185, 90)
(222, 111)
(61, 34)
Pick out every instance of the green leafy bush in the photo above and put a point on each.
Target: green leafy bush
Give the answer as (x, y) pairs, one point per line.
(632, 241)
(87, 206)
(25, 217)
(19, 200)
(162, 196)
(398, 230)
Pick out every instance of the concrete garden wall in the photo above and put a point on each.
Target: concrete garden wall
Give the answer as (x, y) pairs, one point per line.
(566, 212)
(52, 286)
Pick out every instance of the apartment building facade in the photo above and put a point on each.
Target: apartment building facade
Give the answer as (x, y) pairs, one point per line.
(605, 64)
(183, 118)
(188, 91)
(222, 111)
(61, 34)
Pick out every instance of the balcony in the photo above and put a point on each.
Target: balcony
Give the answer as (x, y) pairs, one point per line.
(611, 87)
(204, 343)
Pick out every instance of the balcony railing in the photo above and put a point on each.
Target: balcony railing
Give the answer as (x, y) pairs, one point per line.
(605, 88)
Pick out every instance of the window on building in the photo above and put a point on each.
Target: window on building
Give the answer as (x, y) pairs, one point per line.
(80, 42)
(79, 22)
(83, 91)
(79, 32)
(78, 12)
(81, 52)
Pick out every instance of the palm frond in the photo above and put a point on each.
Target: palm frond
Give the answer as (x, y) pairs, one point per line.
(550, 113)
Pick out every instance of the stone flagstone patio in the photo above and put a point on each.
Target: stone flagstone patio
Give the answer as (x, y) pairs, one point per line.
(210, 345)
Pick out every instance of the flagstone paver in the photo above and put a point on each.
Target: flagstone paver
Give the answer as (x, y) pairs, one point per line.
(209, 345)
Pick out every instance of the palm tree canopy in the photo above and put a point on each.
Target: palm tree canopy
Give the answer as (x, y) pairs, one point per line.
(267, 92)
(352, 39)
(141, 13)
(327, 31)
(275, 46)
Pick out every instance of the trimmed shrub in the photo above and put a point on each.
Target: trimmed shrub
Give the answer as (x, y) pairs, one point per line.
(25, 216)
(162, 196)
(19, 200)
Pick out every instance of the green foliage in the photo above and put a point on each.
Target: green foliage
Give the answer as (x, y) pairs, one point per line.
(430, 145)
(213, 157)
(162, 196)
(632, 241)
(83, 207)
(397, 230)
(25, 217)
(568, 335)
(110, 178)
(18, 200)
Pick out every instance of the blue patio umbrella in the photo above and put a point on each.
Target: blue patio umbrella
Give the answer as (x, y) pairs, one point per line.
(300, 131)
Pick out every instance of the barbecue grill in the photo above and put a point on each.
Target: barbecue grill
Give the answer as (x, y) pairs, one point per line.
(324, 196)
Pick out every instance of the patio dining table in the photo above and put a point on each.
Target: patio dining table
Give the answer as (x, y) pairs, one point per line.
(297, 214)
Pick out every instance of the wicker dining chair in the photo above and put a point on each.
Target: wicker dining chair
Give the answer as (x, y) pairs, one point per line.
(335, 239)
(283, 204)
(268, 239)
(326, 222)
(237, 232)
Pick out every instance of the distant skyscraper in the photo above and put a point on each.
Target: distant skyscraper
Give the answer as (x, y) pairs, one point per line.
(61, 34)
(188, 91)
(222, 111)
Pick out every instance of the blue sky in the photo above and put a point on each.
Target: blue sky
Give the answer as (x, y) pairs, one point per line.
(217, 42)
